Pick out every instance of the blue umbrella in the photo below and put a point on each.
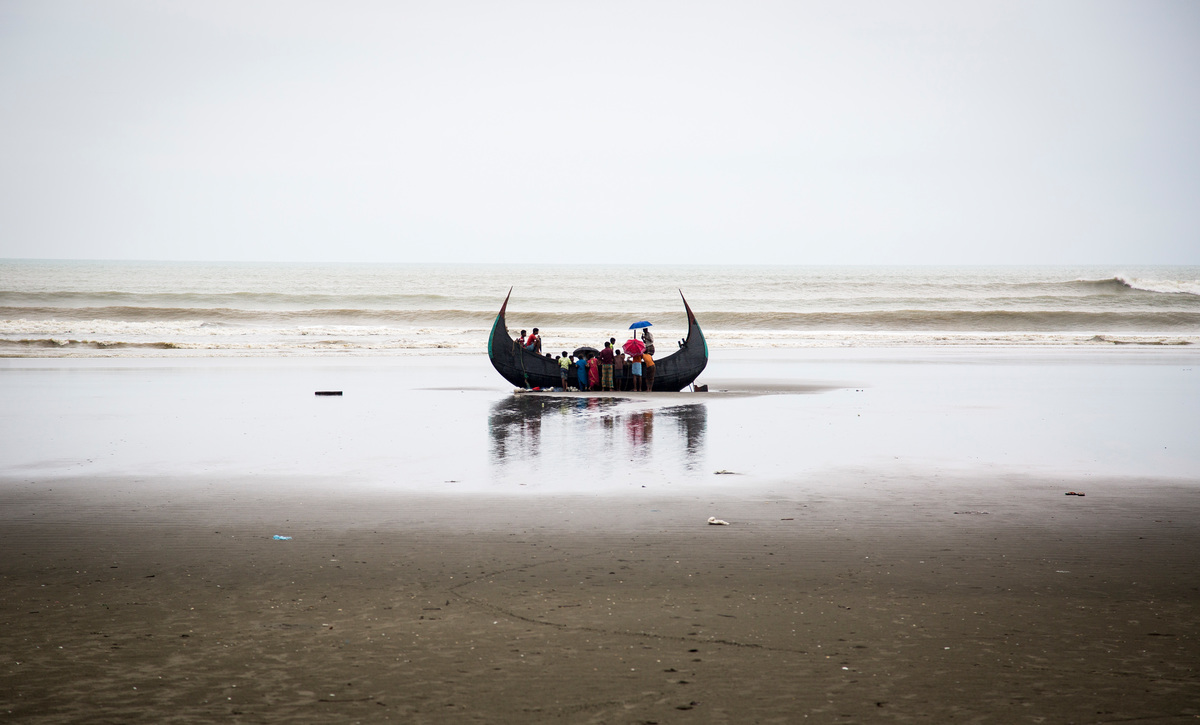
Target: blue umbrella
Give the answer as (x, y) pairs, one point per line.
(639, 325)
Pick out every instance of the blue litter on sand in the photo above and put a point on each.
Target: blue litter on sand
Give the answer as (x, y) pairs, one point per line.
(277, 537)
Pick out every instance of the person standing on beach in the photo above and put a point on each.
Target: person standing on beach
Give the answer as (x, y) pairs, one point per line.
(612, 341)
(606, 367)
(593, 366)
(636, 372)
(581, 372)
(564, 368)
(647, 370)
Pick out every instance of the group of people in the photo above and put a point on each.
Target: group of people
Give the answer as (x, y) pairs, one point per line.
(612, 368)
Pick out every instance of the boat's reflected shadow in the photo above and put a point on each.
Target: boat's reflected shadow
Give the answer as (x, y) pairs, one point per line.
(594, 432)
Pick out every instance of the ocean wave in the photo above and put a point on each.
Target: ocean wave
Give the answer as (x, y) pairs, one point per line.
(1066, 289)
(1136, 341)
(1110, 285)
(1124, 283)
(210, 300)
(964, 320)
(61, 344)
(17, 319)
(38, 346)
(230, 315)
(891, 320)
(799, 296)
(1162, 286)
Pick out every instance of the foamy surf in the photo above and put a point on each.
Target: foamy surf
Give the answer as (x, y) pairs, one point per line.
(149, 309)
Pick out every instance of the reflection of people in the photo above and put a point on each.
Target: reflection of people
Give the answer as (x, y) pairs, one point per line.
(647, 370)
(640, 428)
(691, 421)
(518, 425)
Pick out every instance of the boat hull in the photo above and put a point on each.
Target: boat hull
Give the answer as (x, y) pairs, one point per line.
(525, 369)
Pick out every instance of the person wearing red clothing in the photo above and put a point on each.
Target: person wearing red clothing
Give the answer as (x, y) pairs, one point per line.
(593, 372)
(533, 343)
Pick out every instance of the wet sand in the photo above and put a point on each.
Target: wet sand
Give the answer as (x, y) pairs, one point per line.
(494, 584)
(1011, 603)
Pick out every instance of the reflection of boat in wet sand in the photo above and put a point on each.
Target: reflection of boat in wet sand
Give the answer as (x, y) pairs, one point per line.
(581, 432)
(526, 369)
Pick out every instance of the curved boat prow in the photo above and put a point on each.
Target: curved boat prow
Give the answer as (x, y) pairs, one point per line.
(505, 305)
(502, 325)
(694, 328)
(686, 306)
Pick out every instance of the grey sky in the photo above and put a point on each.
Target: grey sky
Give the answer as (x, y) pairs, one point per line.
(840, 132)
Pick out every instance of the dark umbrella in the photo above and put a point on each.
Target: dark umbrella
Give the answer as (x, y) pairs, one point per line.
(579, 351)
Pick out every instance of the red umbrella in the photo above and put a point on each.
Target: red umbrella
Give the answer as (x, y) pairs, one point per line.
(634, 347)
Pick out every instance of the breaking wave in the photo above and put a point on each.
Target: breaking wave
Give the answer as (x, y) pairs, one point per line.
(211, 300)
(964, 320)
(905, 319)
(1115, 285)
(229, 315)
(62, 344)
(57, 308)
(1162, 286)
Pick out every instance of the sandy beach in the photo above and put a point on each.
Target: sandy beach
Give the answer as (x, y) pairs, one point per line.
(278, 280)
(900, 545)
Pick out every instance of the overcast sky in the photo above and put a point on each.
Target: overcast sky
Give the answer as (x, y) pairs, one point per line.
(733, 132)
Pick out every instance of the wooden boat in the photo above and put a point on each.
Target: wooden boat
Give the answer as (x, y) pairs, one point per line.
(526, 369)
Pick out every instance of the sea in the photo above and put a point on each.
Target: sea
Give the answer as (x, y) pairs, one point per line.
(129, 308)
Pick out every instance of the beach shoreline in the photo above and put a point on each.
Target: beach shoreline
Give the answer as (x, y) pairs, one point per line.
(901, 545)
